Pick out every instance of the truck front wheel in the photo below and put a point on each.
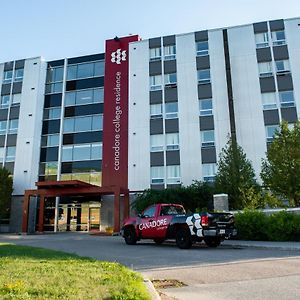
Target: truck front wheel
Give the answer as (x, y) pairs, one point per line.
(212, 242)
(183, 238)
(130, 236)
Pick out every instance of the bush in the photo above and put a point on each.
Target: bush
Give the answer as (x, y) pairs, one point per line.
(257, 226)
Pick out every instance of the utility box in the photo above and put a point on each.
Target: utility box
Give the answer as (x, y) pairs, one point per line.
(221, 202)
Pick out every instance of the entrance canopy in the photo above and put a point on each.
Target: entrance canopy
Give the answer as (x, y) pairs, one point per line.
(47, 189)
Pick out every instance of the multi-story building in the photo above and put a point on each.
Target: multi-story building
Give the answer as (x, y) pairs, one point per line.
(160, 111)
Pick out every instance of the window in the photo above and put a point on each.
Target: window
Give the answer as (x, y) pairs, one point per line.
(53, 88)
(278, 38)
(205, 106)
(51, 168)
(286, 99)
(156, 111)
(282, 66)
(207, 138)
(155, 54)
(171, 110)
(10, 154)
(87, 123)
(82, 97)
(5, 101)
(16, 99)
(172, 141)
(155, 82)
(202, 48)
(13, 126)
(3, 125)
(203, 76)
(156, 142)
(55, 74)
(270, 131)
(170, 79)
(269, 101)
(52, 140)
(173, 174)
(149, 212)
(82, 152)
(262, 40)
(52, 113)
(170, 52)
(157, 175)
(1, 155)
(7, 78)
(209, 172)
(265, 69)
(85, 70)
(19, 75)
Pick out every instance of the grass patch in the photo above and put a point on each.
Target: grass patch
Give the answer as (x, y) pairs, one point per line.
(36, 273)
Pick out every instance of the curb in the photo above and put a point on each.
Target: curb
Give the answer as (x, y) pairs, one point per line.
(286, 248)
(151, 289)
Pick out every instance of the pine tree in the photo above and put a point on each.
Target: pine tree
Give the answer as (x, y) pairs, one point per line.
(281, 168)
(235, 175)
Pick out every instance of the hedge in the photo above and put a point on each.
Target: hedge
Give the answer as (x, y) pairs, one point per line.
(257, 226)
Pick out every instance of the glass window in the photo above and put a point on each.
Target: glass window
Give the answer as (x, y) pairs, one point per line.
(99, 68)
(172, 141)
(96, 152)
(156, 111)
(51, 168)
(69, 125)
(54, 88)
(156, 142)
(282, 66)
(84, 97)
(1, 155)
(171, 78)
(85, 70)
(83, 124)
(209, 172)
(19, 75)
(149, 212)
(155, 82)
(7, 76)
(3, 125)
(278, 38)
(53, 113)
(98, 95)
(155, 54)
(157, 175)
(205, 106)
(16, 99)
(67, 153)
(13, 126)
(5, 101)
(97, 123)
(53, 140)
(265, 69)
(171, 109)
(203, 76)
(269, 101)
(70, 98)
(270, 131)
(82, 152)
(173, 174)
(170, 52)
(207, 138)
(286, 99)
(262, 40)
(55, 74)
(71, 72)
(202, 48)
(10, 154)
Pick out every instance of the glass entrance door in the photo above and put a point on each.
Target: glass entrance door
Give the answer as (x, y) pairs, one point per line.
(94, 222)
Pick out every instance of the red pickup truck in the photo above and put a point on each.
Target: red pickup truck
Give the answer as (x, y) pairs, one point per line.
(170, 221)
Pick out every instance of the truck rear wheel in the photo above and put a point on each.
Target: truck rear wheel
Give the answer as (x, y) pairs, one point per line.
(130, 236)
(212, 242)
(183, 238)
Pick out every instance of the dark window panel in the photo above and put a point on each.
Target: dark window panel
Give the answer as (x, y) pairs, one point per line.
(156, 159)
(3, 114)
(14, 112)
(170, 66)
(20, 64)
(155, 68)
(85, 83)
(172, 158)
(285, 82)
(81, 166)
(2, 141)
(8, 66)
(260, 27)
(10, 167)
(84, 110)
(156, 126)
(53, 100)
(208, 155)
(281, 52)
(56, 63)
(263, 54)
(207, 123)
(171, 94)
(271, 117)
(169, 40)
(201, 35)
(87, 58)
(11, 140)
(49, 154)
(289, 114)
(155, 42)
(5, 90)
(204, 91)
(171, 125)
(17, 87)
(155, 97)
(51, 126)
(276, 25)
(267, 84)
(83, 137)
(203, 62)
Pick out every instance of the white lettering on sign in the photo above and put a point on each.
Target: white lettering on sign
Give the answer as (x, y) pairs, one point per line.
(117, 121)
(153, 224)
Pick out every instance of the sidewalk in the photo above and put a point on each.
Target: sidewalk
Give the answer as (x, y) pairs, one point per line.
(290, 246)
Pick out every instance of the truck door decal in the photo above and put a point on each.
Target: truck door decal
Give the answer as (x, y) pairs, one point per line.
(194, 223)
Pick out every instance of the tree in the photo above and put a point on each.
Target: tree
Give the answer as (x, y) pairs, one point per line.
(281, 168)
(235, 175)
(6, 189)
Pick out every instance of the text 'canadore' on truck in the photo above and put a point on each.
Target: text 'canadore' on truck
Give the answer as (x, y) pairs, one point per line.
(162, 222)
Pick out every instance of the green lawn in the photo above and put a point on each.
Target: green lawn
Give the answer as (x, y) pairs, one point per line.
(36, 273)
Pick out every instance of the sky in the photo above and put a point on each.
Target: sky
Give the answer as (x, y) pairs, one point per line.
(56, 29)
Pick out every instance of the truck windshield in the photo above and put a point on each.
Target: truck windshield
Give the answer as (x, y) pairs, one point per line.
(171, 210)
